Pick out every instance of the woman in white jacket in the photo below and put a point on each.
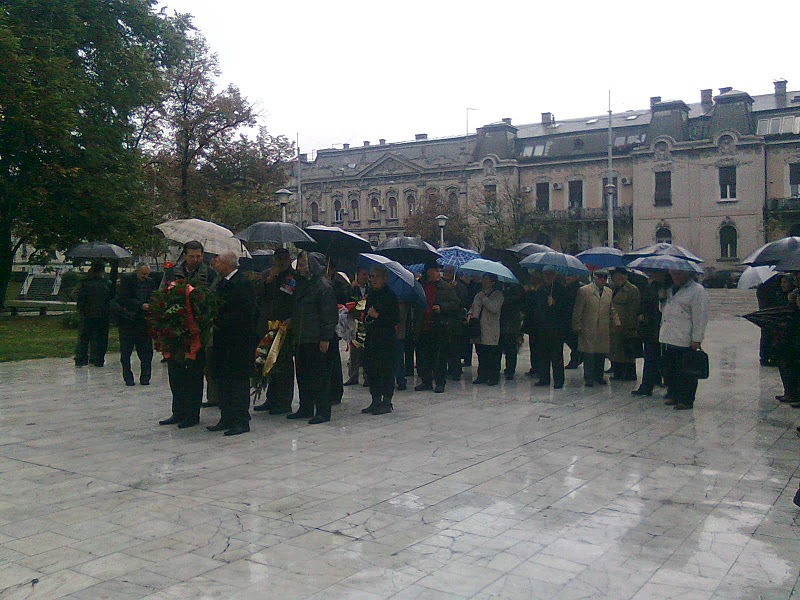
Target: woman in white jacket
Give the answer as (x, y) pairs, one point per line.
(486, 307)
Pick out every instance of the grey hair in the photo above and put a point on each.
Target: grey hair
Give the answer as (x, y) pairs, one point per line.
(229, 258)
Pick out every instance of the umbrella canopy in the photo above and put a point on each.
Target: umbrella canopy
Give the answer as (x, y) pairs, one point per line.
(775, 318)
(563, 264)
(524, 249)
(773, 253)
(98, 250)
(265, 232)
(407, 250)
(755, 276)
(216, 239)
(334, 241)
(663, 249)
(666, 262)
(399, 279)
(481, 266)
(791, 263)
(456, 256)
(602, 257)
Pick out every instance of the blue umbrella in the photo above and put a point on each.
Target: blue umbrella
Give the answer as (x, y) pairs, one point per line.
(665, 262)
(399, 279)
(563, 264)
(602, 257)
(416, 268)
(481, 266)
(456, 256)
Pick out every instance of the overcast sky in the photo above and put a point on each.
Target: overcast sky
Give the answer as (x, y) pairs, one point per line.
(336, 72)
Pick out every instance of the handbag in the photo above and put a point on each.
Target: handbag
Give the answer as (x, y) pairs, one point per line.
(474, 324)
(634, 348)
(695, 364)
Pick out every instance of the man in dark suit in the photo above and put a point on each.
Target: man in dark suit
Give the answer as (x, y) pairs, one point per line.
(131, 306)
(233, 349)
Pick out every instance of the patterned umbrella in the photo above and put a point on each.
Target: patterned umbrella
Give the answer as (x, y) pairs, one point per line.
(399, 279)
(481, 266)
(456, 256)
(98, 250)
(216, 239)
(773, 253)
(602, 257)
(663, 249)
(666, 262)
(563, 264)
(265, 232)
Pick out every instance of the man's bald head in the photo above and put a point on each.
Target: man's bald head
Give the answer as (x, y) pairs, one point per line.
(225, 263)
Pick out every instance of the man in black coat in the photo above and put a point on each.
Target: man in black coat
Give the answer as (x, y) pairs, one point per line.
(233, 349)
(131, 306)
(456, 346)
(653, 298)
(552, 321)
(94, 299)
(380, 349)
(572, 284)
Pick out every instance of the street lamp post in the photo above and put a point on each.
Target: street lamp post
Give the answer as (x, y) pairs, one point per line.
(441, 221)
(283, 196)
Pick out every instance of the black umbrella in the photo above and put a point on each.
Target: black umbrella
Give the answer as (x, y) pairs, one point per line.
(777, 318)
(270, 231)
(663, 249)
(773, 253)
(524, 249)
(98, 250)
(407, 250)
(789, 264)
(334, 241)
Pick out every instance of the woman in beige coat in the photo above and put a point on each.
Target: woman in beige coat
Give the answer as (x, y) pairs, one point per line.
(486, 306)
(591, 320)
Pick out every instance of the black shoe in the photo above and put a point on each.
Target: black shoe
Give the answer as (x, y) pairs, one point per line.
(97, 364)
(365, 384)
(682, 406)
(423, 387)
(384, 408)
(173, 420)
(279, 411)
(492, 382)
(509, 377)
(601, 381)
(238, 430)
(588, 383)
(351, 381)
(530, 373)
(80, 363)
(208, 405)
(129, 382)
(558, 386)
(299, 415)
(617, 378)
(455, 377)
(188, 423)
(572, 365)
(261, 407)
(218, 427)
(370, 409)
(318, 420)
(478, 381)
(641, 392)
(784, 398)
(797, 498)
(439, 389)
(144, 382)
(542, 383)
(670, 402)
(402, 386)
(335, 402)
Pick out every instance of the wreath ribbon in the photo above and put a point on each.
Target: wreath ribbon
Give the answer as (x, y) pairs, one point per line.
(275, 347)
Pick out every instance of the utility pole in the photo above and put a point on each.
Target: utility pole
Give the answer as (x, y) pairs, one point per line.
(610, 187)
(299, 182)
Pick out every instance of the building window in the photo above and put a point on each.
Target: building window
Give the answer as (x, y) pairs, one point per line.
(543, 197)
(375, 208)
(374, 239)
(452, 197)
(412, 204)
(727, 183)
(794, 179)
(616, 193)
(490, 193)
(663, 188)
(727, 241)
(314, 212)
(576, 194)
(392, 207)
(354, 216)
(663, 235)
(337, 210)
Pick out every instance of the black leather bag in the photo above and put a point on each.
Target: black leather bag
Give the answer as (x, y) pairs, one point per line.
(473, 328)
(695, 364)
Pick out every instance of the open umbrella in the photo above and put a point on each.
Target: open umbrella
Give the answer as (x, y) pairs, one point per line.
(663, 249)
(399, 279)
(334, 241)
(602, 257)
(456, 256)
(524, 249)
(103, 250)
(407, 250)
(216, 239)
(666, 262)
(789, 264)
(775, 318)
(265, 232)
(773, 252)
(563, 264)
(481, 266)
(755, 276)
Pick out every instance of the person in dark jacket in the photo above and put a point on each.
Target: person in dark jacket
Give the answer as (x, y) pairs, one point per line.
(380, 349)
(359, 291)
(131, 305)
(340, 291)
(94, 299)
(434, 326)
(529, 322)
(653, 297)
(553, 319)
(314, 323)
(787, 342)
(233, 350)
(276, 296)
(473, 287)
(455, 347)
(572, 285)
(511, 326)
(769, 295)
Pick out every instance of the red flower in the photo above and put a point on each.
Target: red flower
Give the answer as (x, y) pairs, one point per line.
(169, 264)
(161, 304)
(198, 295)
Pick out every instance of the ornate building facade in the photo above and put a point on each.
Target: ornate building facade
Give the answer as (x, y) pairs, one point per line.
(719, 176)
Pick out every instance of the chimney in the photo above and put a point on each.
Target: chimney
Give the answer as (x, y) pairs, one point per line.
(780, 90)
(507, 121)
(421, 136)
(304, 157)
(723, 90)
(382, 142)
(345, 146)
(366, 142)
(654, 100)
(707, 98)
(547, 118)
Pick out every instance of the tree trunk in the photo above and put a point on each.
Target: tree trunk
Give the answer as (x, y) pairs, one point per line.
(6, 258)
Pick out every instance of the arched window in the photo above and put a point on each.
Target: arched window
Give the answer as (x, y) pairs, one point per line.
(728, 238)
(412, 204)
(452, 197)
(337, 210)
(314, 212)
(354, 211)
(392, 207)
(375, 208)
(663, 235)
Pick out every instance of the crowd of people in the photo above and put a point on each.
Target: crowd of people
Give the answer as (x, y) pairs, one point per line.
(662, 320)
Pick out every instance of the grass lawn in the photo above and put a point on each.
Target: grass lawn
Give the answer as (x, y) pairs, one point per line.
(22, 338)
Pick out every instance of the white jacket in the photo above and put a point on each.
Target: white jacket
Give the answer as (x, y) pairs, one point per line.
(685, 315)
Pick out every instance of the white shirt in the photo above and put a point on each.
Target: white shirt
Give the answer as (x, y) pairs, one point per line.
(685, 316)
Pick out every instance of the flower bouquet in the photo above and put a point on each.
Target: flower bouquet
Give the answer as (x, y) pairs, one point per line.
(181, 320)
(267, 353)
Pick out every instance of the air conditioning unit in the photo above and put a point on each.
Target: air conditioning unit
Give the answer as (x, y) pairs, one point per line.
(627, 181)
(558, 186)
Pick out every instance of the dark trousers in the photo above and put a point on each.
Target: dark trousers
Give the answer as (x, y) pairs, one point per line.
(336, 387)
(400, 366)
(186, 383)
(593, 366)
(465, 346)
(432, 353)
(454, 355)
(128, 340)
(354, 364)
(92, 341)
(536, 359)
(509, 348)
(409, 344)
(281, 383)
(571, 340)
(313, 380)
(234, 400)
(681, 387)
(488, 363)
(790, 377)
(551, 352)
(381, 370)
(651, 375)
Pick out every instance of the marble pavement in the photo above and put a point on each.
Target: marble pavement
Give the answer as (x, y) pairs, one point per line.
(505, 492)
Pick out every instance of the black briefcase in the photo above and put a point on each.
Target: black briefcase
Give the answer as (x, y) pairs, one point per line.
(695, 364)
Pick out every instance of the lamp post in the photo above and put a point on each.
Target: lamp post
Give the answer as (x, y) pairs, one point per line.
(441, 221)
(283, 196)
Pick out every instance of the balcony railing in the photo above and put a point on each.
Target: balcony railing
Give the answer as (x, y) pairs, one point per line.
(583, 214)
(791, 204)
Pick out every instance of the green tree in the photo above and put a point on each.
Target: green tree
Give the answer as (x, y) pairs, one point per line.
(74, 74)
(504, 216)
(423, 222)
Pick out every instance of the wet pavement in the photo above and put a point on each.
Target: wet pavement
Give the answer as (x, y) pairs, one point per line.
(506, 492)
